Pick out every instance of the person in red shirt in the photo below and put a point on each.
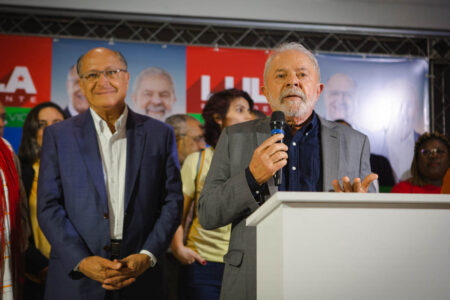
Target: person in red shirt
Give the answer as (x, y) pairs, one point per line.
(430, 163)
(446, 183)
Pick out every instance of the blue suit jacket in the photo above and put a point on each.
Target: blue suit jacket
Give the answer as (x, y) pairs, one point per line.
(73, 206)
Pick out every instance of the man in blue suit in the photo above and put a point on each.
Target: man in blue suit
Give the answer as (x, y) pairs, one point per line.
(109, 193)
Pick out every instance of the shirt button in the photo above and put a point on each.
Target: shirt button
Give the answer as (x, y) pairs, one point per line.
(294, 168)
(105, 216)
(294, 144)
(307, 133)
(257, 192)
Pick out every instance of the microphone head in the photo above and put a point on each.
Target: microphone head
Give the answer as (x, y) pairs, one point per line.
(277, 122)
(277, 116)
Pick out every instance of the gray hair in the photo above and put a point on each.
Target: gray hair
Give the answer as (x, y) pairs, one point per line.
(152, 71)
(178, 123)
(286, 47)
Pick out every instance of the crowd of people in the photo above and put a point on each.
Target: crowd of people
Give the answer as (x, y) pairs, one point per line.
(105, 203)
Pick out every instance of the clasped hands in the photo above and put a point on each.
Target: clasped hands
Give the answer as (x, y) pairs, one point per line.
(271, 156)
(116, 274)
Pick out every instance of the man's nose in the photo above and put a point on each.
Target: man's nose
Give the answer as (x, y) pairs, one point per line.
(292, 80)
(155, 100)
(102, 79)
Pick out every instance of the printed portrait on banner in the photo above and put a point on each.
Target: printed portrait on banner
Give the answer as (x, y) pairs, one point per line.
(157, 76)
(384, 97)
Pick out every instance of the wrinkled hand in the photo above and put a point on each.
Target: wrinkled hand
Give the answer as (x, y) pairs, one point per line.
(356, 187)
(187, 256)
(132, 266)
(268, 158)
(99, 268)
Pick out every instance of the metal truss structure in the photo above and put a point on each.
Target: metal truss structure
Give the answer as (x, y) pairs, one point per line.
(433, 45)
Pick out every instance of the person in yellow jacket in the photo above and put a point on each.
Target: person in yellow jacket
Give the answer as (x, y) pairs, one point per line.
(202, 252)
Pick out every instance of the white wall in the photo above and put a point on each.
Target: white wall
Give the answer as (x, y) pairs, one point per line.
(417, 14)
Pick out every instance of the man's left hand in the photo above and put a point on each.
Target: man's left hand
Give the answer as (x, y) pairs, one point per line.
(133, 266)
(356, 187)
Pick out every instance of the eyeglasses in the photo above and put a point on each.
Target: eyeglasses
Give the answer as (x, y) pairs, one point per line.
(433, 151)
(110, 74)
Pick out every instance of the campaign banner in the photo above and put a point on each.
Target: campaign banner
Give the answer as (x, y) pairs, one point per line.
(25, 70)
(157, 76)
(211, 70)
(384, 97)
(25, 79)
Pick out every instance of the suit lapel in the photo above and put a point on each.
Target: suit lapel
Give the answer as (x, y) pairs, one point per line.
(330, 154)
(135, 147)
(87, 140)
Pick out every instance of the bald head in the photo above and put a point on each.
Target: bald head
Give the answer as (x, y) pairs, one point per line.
(104, 81)
(101, 50)
(339, 97)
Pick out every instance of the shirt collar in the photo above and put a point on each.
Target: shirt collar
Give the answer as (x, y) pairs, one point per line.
(100, 124)
(307, 128)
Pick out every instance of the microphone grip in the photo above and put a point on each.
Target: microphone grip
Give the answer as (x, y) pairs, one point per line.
(278, 174)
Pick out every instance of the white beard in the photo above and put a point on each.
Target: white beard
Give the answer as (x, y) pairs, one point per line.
(297, 109)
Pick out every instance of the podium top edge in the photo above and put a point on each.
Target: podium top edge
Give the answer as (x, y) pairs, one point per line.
(345, 199)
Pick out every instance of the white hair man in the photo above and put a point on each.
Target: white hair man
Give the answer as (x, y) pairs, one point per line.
(154, 93)
(247, 156)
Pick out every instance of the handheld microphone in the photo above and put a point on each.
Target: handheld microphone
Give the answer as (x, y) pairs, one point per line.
(277, 126)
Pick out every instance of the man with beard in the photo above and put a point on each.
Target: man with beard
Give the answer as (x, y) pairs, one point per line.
(314, 153)
(154, 93)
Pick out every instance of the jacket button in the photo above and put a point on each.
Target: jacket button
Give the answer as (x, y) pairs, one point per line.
(107, 248)
(105, 216)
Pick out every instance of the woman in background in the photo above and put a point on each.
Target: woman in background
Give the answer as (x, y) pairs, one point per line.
(201, 277)
(430, 163)
(41, 116)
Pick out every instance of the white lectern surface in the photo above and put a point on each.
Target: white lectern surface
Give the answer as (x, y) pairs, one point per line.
(353, 246)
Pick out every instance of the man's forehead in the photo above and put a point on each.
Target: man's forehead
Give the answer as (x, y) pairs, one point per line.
(102, 58)
(291, 60)
(156, 82)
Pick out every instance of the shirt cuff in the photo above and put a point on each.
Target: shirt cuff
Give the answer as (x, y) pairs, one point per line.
(256, 189)
(77, 267)
(153, 259)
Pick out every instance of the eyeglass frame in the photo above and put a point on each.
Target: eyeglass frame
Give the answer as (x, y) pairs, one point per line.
(104, 72)
(434, 151)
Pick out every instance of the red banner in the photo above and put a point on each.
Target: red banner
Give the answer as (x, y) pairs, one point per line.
(25, 71)
(210, 70)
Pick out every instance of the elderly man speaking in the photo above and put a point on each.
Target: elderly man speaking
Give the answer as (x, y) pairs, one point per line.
(109, 193)
(314, 154)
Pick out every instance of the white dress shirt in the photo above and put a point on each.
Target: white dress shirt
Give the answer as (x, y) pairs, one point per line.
(113, 151)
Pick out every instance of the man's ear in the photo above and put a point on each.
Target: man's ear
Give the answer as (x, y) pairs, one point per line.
(218, 119)
(263, 91)
(320, 89)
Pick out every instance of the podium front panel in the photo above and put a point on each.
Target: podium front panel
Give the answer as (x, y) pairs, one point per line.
(351, 250)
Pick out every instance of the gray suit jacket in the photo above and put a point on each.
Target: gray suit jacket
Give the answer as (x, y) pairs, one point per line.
(226, 197)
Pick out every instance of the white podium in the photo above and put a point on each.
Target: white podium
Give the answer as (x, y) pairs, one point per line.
(353, 246)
